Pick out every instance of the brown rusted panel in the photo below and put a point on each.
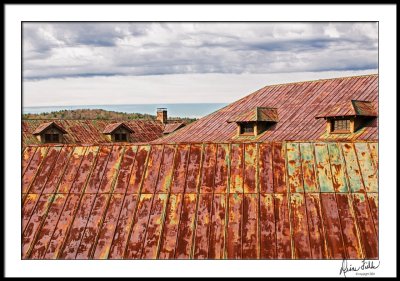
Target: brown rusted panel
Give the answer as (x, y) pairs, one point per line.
(44, 235)
(218, 226)
(373, 146)
(84, 170)
(236, 175)
(154, 228)
(234, 227)
(203, 226)
(250, 184)
(165, 174)
(112, 168)
(250, 234)
(60, 165)
(93, 225)
(180, 166)
(193, 170)
(171, 224)
(221, 169)
(33, 168)
(308, 167)
(295, 177)
(135, 244)
(324, 173)
(125, 170)
(353, 170)
(333, 231)
(349, 227)
(366, 226)
(265, 168)
(98, 170)
(27, 156)
(186, 227)
(35, 222)
(282, 227)
(123, 228)
(28, 206)
(373, 205)
(72, 241)
(316, 226)
(367, 167)
(106, 233)
(299, 222)
(208, 170)
(138, 169)
(71, 170)
(337, 168)
(63, 226)
(267, 227)
(152, 170)
(46, 167)
(278, 157)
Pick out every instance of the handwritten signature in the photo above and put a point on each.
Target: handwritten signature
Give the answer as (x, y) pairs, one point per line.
(346, 267)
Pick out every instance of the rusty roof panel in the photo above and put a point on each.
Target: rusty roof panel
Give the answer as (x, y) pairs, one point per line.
(172, 127)
(279, 200)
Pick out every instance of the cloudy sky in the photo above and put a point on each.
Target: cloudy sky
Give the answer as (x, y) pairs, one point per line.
(135, 63)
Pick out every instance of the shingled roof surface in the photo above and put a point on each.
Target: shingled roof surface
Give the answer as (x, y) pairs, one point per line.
(297, 103)
(91, 131)
(281, 200)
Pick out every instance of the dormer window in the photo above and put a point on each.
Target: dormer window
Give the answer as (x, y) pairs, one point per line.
(50, 132)
(255, 121)
(348, 117)
(117, 132)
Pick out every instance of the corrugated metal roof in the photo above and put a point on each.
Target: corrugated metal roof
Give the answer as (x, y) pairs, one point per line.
(257, 114)
(42, 127)
(112, 127)
(280, 200)
(350, 108)
(298, 104)
(172, 127)
(91, 131)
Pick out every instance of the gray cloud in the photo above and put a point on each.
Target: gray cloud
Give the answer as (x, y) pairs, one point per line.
(55, 50)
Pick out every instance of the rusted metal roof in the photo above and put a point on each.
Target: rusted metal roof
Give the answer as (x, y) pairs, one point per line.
(271, 200)
(91, 131)
(172, 127)
(43, 127)
(109, 129)
(350, 108)
(297, 105)
(257, 114)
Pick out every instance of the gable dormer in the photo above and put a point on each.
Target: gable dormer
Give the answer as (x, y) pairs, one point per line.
(118, 132)
(255, 121)
(348, 117)
(50, 132)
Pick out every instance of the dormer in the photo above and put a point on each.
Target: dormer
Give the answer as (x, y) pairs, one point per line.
(118, 132)
(255, 121)
(348, 116)
(50, 132)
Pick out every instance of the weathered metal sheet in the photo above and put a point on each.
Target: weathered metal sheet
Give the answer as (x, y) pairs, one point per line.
(308, 167)
(278, 157)
(373, 146)
(337, 168)
(125, 170)
(282, 224)
(221, 169)
(208, 168)
(155, 227)
(193, 169)
(186, 227)
(234, 226)
(265, 174)
(171, 224)
(152, 170)
(236, 172)
(353, 170)
(27, 156)
(316, 226)
(111, 170)
(28, 206)
(324, 173)
(295, 177)
(138, 169)
(299, 222)
(267, 227)
(366, 226)
(180, 167)
(333, 230)
(124, 225)
(373, 204)
(71, 170)
(250, 181)
(34, 166)
(84, 170)
(218, 227)
(250, 233)
(166, 169)
(202, 235)
(367, 167)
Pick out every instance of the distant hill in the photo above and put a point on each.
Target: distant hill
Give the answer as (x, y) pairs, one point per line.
(99, 114)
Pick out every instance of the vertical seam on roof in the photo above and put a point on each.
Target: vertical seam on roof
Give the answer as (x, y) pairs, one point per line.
(273, 197)
(38, 168)
(228, 182)
(289, 198)
(258, 192)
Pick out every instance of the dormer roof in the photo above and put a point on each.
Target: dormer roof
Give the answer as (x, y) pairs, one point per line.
(45, 126)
